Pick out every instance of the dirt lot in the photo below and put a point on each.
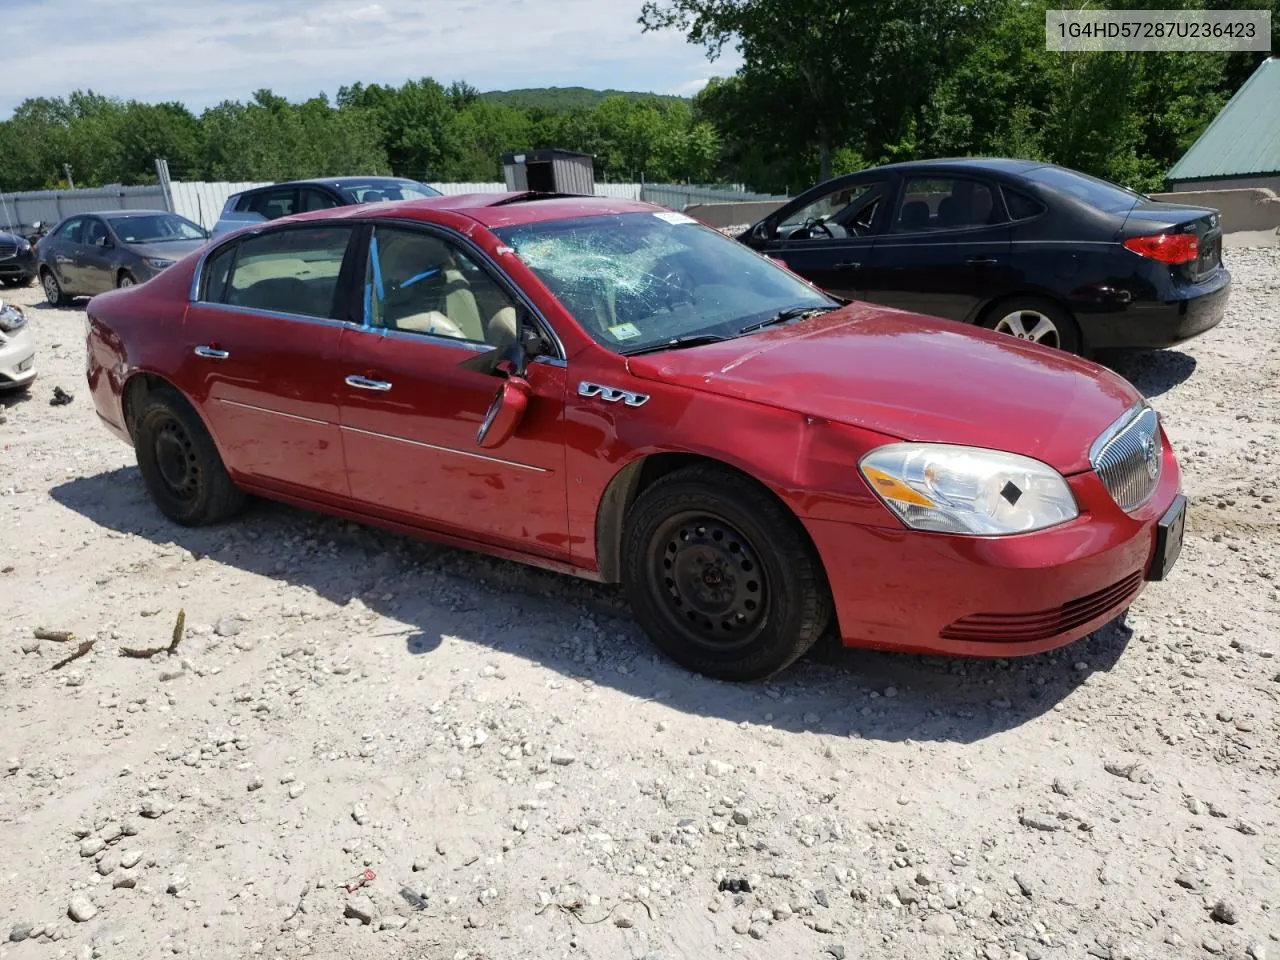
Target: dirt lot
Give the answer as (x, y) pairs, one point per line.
(526, 780)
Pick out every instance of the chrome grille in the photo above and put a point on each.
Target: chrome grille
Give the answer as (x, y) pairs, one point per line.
(8, 249)
(1128, 457)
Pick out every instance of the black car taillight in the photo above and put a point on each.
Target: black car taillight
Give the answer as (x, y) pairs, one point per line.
(1171, 248)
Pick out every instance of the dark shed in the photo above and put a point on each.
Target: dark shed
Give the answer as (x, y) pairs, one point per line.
(550, 171)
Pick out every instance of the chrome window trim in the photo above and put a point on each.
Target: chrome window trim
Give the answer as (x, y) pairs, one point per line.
(276, 314)
(460, 453)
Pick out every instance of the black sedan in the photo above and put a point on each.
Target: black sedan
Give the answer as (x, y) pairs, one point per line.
(92, 253)
(1035, 250)
(17, 260)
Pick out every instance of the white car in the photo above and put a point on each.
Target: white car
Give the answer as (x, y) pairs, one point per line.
(17, 349)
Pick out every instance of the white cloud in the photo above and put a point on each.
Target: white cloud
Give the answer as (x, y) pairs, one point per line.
(203, 53)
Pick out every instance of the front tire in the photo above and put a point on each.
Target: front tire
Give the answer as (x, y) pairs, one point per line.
(180, 464)
(1037, 320)
(125, 280)
(722, 576)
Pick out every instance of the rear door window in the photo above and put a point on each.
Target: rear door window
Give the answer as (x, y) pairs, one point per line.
(293, 271)
(930, 204)
(271, 204)
(313, 199)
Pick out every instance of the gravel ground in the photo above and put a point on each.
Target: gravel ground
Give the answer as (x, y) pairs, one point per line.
(525, 779)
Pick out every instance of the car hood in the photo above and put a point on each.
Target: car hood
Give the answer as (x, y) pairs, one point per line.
(173, 250)
(913, 378)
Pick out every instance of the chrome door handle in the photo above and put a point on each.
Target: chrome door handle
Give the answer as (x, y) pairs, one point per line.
(364, 383)
(848, 265)
(211, 353)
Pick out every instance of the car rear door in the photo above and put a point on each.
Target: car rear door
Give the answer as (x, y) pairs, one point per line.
(946, 248)
(59, 251)
(827, 236)
(261, 343)
(410, 409)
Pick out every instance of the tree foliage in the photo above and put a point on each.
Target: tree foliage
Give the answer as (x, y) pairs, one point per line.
(825, 87)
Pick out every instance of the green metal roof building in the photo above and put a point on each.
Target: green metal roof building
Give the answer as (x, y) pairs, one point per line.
(1241, 147)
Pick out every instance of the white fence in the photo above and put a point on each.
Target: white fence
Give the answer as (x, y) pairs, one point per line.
(202, 202)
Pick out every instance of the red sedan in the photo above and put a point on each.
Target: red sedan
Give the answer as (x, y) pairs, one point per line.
(613, 390)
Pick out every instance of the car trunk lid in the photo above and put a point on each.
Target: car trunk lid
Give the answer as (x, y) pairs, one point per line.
(1153, 218)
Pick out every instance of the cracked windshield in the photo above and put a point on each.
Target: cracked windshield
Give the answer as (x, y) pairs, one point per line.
(643, 280)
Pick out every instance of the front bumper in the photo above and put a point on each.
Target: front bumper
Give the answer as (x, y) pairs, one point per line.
(20, 267)
(17, 358)
(930, 593)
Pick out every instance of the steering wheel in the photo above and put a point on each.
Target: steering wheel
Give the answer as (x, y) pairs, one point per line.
(817, 223)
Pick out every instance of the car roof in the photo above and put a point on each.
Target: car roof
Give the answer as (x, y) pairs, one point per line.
(1000, 164)
(332, 182)
(493, 209)
(118, 214)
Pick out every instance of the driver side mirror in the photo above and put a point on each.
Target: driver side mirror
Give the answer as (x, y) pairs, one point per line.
(103, 242)
(761, 232)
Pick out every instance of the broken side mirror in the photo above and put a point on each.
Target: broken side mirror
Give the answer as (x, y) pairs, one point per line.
(505, 411)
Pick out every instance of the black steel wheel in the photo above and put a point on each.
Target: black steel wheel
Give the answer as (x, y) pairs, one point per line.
(180, 464)
(714, 586)
(722, 576)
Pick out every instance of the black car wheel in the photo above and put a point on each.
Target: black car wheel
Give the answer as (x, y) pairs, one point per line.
(53, 290)
(126, 279)
(180, 464)
(721, 576)
(1036, 320)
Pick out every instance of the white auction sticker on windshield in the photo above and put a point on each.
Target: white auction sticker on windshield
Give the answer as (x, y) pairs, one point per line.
(625, 331)
(672, 217)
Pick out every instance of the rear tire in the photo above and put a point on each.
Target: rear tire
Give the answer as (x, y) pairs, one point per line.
(721, 576)
(53, 291)
(1037, 320)
(180, 464)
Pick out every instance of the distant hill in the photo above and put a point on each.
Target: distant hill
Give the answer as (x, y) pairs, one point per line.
(564, 98)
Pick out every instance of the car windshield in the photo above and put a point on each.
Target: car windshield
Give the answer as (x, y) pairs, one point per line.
(1097, 193)
(156, 228)
(638, 280)
(378, 191)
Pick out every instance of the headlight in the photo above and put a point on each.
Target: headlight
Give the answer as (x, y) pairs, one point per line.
(158, 263)
(23, 245)
(967, 490)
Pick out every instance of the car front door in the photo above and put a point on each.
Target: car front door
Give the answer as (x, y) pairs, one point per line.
(411, 409)
(827, 234)
(97, 256)
(261, 342)
(945, 250)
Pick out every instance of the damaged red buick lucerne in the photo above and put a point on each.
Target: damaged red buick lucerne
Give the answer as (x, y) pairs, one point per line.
(612, 390)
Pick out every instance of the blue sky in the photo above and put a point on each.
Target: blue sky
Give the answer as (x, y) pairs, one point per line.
(204, 51)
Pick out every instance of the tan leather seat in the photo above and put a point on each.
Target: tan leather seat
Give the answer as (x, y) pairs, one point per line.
(431, 321)
(502, 327)
(460, 305)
